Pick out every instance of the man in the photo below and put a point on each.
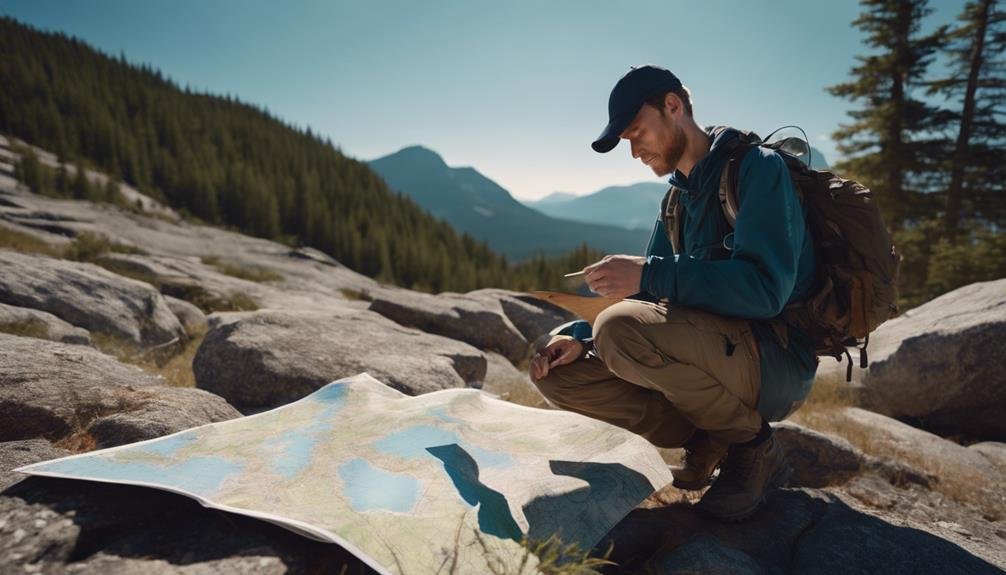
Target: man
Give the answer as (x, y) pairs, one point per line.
(690, 359)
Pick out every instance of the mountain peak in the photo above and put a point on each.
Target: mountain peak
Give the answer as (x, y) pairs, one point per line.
(416, 156)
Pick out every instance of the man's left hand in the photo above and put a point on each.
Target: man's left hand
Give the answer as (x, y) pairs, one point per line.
(615, 276)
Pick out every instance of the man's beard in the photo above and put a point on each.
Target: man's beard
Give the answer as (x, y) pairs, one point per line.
(672, 155)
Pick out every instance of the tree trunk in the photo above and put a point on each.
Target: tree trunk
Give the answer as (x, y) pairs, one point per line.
(956, 190)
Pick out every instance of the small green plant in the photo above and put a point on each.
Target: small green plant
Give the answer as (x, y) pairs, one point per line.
(209, 302)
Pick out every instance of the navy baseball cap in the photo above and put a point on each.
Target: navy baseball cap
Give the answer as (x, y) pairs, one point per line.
(628, 96)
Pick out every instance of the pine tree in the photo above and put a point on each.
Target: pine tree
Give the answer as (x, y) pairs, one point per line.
(977, 55)
(886, 146)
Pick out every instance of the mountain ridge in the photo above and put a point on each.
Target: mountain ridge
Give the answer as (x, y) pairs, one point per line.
(475, 204)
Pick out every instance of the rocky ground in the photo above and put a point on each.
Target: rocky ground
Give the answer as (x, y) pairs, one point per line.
(121, 325)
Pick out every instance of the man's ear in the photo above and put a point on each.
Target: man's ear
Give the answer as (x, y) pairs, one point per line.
(672, 103)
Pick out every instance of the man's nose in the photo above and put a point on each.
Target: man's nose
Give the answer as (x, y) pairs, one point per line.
(635, 152)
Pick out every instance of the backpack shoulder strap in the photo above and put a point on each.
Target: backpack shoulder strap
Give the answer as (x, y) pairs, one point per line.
(728, 182)
(671, 210)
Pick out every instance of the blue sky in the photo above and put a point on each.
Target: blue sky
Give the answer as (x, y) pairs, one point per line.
(516, 89)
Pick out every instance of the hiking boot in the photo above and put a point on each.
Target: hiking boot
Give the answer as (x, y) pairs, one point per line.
(702, 454)
(747, 476)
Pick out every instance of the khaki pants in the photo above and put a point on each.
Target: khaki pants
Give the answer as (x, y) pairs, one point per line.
(663, 372)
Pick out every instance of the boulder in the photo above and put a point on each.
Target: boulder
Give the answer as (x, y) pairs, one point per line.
(192, 318)
(34, 323)
(509, 383)
(480, 323)
(532, 316)
(818, 460)
(940, 364)
(88, 296)
(270, 358)
(82, 398)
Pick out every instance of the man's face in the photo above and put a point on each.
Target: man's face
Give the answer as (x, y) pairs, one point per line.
(656, 139)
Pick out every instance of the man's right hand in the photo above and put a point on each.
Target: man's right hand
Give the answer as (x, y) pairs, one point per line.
(561, 349)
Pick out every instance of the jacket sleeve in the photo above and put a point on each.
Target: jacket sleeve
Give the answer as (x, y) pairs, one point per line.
(758, 278)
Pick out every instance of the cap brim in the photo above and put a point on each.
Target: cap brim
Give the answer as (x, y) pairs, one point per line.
(608, 139)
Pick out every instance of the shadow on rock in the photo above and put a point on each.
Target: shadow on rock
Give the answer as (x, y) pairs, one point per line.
(797, 531)
(100, 524)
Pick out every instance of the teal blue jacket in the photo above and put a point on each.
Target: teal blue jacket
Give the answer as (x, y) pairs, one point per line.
(770, 263)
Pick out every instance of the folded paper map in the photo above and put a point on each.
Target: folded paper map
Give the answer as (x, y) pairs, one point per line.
(585, 307)
(451, 481)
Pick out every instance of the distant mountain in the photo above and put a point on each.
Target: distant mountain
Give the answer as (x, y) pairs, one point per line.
(631, 207)
(473, 203)
(551, 198)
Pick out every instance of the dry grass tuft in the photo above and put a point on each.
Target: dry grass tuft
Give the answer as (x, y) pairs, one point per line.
(962, 484)
(88, 247)
(250, 273)
(80, 442)
(177, 369)
(172, 362)
(830, 391)
(30, 328)
(354, 295)
(26, 243)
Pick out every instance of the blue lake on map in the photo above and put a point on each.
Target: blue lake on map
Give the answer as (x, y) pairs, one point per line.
(370, 488)
(201, 476)
(294, 449)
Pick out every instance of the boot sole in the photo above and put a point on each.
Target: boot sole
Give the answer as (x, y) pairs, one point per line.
(693, 485)
(779, 479)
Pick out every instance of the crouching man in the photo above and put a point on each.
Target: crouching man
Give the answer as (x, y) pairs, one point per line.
(689, 358)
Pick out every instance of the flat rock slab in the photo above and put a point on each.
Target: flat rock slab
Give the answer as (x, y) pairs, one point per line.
(88, 296)
(269, 358)
(78, 395)
(970, 473)
(40, 324)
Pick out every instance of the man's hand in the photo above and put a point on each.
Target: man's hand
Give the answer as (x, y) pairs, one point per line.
(615, 276)
(561, 350)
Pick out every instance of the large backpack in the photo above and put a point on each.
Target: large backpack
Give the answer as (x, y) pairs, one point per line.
(857, 265)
